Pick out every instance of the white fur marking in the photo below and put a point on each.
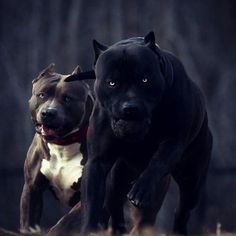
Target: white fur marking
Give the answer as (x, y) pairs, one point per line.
(63, 169)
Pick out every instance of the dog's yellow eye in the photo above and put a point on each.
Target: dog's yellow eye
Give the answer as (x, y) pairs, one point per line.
(112, 83)
(145, 80)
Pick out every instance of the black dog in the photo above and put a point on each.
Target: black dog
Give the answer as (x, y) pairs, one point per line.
(149, 122)
(60, 112)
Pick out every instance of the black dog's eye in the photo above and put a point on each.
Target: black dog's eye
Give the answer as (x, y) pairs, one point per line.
(112, 83)
(145, 80)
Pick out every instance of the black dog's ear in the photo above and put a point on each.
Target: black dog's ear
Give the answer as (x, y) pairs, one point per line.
(165, 63)
(149, 40)
(47, 72)
(98, 49)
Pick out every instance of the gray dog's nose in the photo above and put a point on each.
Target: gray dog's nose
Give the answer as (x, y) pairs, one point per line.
(49, 113)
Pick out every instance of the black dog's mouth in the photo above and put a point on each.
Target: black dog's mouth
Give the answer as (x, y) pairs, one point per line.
(132, 130)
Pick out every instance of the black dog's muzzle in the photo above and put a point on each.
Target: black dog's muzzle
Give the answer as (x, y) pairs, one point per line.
(131, 111)
(130, 121)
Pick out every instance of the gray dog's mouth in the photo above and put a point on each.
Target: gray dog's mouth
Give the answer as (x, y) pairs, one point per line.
(130, 130)
(47, 132)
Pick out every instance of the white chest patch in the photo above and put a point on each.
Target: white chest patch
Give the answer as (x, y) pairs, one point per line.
(63, 169)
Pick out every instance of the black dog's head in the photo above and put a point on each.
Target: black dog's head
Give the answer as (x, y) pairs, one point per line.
(58, 108)
(130, 80)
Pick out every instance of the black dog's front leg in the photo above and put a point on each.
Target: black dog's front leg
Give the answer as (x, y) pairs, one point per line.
(93, 193)
(143, 192)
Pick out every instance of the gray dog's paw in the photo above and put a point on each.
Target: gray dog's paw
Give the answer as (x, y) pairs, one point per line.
(32, 230)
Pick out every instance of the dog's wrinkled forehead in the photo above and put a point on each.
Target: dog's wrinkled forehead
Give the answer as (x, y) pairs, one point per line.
(46, 81)
(55, 86)
(128, 58)
(49, 81)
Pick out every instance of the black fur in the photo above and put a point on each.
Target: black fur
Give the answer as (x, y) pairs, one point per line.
(149, 122)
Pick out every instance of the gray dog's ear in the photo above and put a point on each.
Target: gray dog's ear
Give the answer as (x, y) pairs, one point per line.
(77, 70)
(98, 49)
(48, 71)
(165, 63)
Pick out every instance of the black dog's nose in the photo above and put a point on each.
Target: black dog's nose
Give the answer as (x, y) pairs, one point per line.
(131, 110)
(49, 114)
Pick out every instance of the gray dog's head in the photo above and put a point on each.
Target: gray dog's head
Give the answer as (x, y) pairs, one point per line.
(130, 81)
(58, 108)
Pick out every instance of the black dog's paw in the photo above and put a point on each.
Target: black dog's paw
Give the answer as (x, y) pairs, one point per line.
(142, 193)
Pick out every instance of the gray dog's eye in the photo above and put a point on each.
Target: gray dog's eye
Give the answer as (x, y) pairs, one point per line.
(67, 99)
(41, 95)
(145, 80)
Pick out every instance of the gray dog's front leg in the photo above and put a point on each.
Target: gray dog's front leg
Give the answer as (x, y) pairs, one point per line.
(30, 208)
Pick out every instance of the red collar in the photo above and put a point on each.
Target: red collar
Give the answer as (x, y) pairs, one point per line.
(76, 137)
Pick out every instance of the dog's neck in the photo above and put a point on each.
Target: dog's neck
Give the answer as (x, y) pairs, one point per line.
(75, 137)
(64, 152)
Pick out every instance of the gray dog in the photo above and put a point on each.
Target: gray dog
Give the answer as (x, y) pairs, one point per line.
(60, 112)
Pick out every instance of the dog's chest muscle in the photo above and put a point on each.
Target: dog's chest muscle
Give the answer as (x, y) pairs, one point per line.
(63, 169)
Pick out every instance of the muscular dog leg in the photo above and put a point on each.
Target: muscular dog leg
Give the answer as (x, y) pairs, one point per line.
(189, 198)
(70, 223)
(118, 184)
(187, 202)
(146, 217)
(190, 177)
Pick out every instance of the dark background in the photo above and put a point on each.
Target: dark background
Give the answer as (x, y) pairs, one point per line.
(201, 33)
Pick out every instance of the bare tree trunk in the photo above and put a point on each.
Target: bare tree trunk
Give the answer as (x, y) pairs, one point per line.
(55, 28)
(115, 20)
(72, 31)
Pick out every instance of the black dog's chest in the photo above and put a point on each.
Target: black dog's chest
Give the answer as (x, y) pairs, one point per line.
(138, 155)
